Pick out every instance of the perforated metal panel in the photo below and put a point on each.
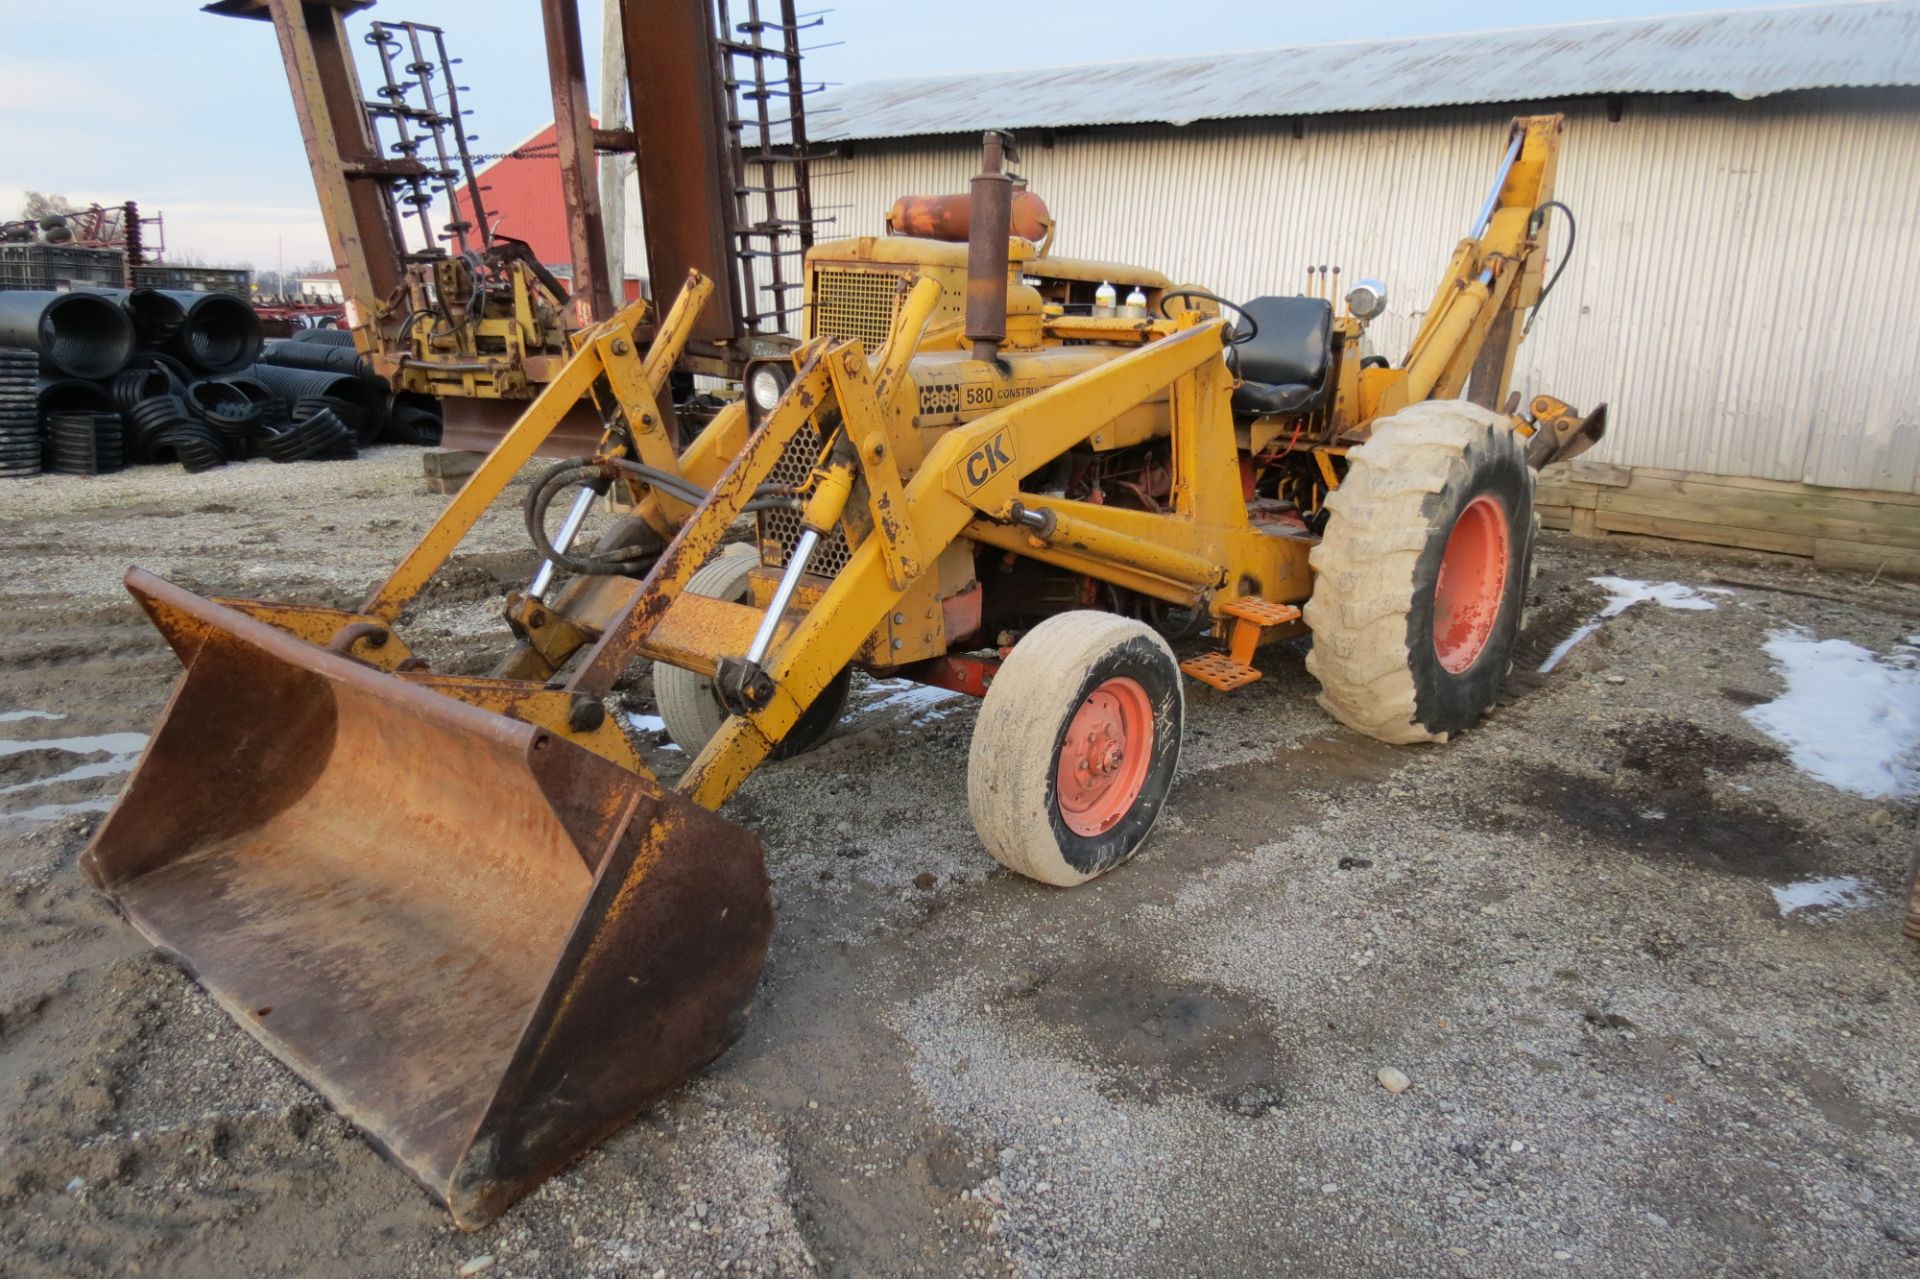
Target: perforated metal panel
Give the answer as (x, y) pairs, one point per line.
(783, 527)
(854, 304)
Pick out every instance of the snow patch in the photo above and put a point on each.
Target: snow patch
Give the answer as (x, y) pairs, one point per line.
(651, 724)
(1622, 594)
(1565, 646)
(1834, 894)
(918, 699)
(1849, 717)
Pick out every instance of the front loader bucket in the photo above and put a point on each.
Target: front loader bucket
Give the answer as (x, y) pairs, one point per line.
(487, 946)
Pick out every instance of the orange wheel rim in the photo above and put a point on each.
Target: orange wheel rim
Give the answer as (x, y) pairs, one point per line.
(1472, 585)
(1104, 757)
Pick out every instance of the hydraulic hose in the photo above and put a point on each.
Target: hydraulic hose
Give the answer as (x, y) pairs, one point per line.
(1573, 235)
(630, 561)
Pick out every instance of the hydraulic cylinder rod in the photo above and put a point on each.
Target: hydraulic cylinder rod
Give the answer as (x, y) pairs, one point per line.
(823, 511)
(782, 596)
(569, 529)
(1499, 181)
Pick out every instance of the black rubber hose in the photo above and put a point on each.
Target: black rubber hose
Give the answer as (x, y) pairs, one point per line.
(78, 334)
(221, 333)
(674, 485)
(1573, 235)
(630, 561)
(681, 486)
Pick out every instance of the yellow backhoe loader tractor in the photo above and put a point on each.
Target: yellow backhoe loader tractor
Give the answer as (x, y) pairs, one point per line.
(465, 910)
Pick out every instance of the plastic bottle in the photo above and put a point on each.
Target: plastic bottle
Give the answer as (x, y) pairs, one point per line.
(1136, 305)
(1103, 300)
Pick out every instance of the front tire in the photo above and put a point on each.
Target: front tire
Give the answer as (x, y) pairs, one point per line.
(688, 703)
(1076, 746)
(1421, 576)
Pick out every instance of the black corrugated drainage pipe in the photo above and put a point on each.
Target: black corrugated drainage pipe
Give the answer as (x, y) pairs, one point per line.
(79, 334)
(221, 333)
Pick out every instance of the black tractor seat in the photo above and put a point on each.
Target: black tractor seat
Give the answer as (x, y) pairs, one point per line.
(1284, 367)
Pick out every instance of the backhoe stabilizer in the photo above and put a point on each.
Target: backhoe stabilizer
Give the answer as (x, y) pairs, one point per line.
(485, 944)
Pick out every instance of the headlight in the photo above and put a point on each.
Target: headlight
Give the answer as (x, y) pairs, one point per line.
(1367, 299)
(766, 384)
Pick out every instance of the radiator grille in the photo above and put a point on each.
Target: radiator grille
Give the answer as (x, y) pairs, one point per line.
(783, 527)
(854, 304)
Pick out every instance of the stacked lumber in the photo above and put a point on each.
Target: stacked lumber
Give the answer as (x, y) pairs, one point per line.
(1836, 528)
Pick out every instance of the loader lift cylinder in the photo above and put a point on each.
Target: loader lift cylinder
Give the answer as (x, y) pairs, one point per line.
(834, 486)
(569, 529)
(783, 596)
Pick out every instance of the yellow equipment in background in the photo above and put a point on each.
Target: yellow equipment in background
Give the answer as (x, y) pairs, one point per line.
(1007, 481)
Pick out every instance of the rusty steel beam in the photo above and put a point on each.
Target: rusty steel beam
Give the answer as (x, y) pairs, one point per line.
(579, 170)
(686, 180)
(796, 96)
(613, 140)
(341, 150)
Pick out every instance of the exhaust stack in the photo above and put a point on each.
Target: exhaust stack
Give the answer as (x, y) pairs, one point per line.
(989, 224)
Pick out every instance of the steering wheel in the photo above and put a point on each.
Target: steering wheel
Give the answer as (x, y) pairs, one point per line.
(1239, 338)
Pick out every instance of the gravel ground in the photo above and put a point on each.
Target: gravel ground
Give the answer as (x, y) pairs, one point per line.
(1623, 1058)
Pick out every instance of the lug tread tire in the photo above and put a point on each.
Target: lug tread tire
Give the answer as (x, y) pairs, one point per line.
(1370, 561)
(1016, 742)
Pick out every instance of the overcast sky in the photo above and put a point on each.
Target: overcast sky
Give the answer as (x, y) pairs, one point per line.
(189, 114)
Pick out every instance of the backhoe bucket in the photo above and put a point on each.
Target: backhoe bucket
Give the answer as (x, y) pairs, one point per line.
(487, 946)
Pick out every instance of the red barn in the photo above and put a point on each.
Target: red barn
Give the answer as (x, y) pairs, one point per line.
(522, 197)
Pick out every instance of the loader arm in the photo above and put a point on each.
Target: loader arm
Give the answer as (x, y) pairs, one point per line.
(968, 480)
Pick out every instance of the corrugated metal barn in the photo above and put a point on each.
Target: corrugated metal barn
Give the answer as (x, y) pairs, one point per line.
(1745, 292)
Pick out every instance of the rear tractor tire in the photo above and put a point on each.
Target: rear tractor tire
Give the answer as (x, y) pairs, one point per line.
(1421, 576)
(1076, 746)
(688, 704)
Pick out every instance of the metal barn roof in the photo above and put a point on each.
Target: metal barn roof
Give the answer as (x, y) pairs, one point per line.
(1748, 53)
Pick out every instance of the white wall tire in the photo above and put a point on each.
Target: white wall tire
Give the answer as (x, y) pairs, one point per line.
(1421, 576)
(1076, 747)
(688, 705)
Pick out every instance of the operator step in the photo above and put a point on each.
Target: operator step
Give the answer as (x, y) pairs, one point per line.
(1252, 618)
